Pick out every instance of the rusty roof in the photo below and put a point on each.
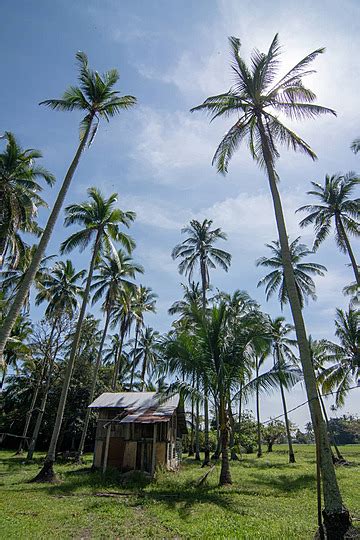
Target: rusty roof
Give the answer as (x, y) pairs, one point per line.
(140, 407)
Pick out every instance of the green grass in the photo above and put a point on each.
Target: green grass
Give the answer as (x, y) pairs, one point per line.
(269, 499)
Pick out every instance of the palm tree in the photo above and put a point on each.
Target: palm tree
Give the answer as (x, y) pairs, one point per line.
(275, 280)
(319, 359)
(335, 204)
(255, 100)
(12, 278)
(19, 193)
(345, 356)
(114, 270)
(282, 352)
(355, 145)
(101, 223)
(123, 315)
(198, 249)
(96, 98)
(148, 352)
(144, 302)
(61, 290)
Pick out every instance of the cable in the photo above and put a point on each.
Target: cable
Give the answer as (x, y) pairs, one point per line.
(304, 403)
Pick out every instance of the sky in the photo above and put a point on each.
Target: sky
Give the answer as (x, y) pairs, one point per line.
(171, 55)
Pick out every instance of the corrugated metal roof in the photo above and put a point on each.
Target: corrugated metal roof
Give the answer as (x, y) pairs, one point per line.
(141, 407)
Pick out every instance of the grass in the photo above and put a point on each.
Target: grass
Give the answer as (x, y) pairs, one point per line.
(269, 499)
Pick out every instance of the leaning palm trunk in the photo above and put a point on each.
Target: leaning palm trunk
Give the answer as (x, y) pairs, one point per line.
(287, 424)
(336, 517)
(47, 474)
(225, 474)
(41, 411)
(93, 386)
(342, 234)
(26, 282)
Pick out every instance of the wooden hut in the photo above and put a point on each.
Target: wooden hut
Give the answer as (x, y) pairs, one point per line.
(138, 431)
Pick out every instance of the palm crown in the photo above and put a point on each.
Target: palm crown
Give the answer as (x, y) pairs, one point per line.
(199, 248)
(60, 289)
(94, 95)
(19, 189)
(275, 280)
(334, 204)
(256, 100)
(99, 217)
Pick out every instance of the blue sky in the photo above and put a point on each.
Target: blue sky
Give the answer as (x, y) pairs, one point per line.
(157, 157)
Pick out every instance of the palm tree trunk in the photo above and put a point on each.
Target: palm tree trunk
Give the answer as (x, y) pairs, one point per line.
(197, 427)
(30, 411)
(93, 386)
(332, 438)
(336, 516)
(233, 454)
(259, 451)
(206, 426)
(191, 445)
(123, 329)
(344, 236)
(26, 282)
(41, 410)
(206, 390)
(287, 424)
(37, 388)
(143, 371)
(47, 474)
(137, 330)
(225, 474)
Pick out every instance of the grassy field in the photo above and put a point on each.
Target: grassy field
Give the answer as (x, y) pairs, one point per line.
(269, 499)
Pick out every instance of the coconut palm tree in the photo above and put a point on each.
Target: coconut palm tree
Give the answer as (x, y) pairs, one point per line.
(148, 352)
(256, 100)
(144, 302)
(275, 280)
(123, 315)
(12, 278)
(19, 193)
(61, 290)
(96, 98)
(283, 353)
(335, 204)
(101, 222)
(114, 271)
(345, 356)
(198, 249)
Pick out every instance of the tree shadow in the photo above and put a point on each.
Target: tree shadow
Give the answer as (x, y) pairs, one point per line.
(286, 484)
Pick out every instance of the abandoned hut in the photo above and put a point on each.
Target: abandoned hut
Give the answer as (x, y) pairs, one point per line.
(138, 431)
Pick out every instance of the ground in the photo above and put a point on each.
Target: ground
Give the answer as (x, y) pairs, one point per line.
(269, 499)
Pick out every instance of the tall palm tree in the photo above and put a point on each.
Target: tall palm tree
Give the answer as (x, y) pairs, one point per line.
(95, 96)
(61, 290)
(335, 204)
(345, 356)
(144, 302)
(123, 315)
(255, 100)
(282, 352)
(19, 193)
(148, 352)
(114, 271)
(275, 280)
(198, 249)
(101, 222)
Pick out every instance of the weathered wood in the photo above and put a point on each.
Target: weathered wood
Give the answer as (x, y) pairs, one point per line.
(153, 457)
